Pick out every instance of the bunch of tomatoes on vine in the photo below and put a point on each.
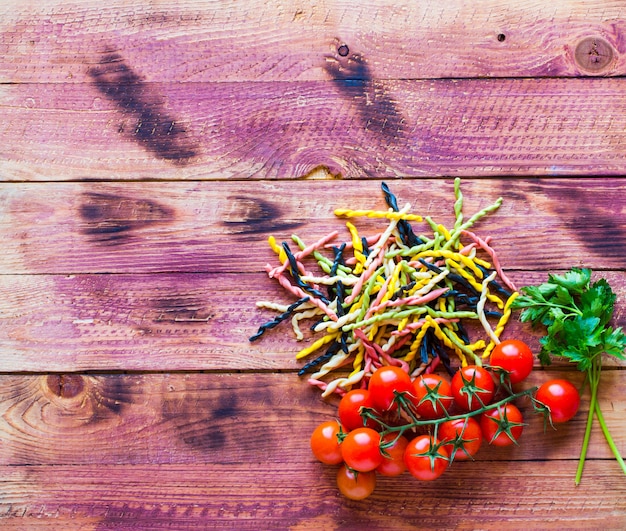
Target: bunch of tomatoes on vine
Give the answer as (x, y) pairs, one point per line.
(397, 424)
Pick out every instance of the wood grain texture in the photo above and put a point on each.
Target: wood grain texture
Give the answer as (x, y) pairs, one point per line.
(254, 496)
(222, 227)
(270, 40)
(148, 150)
(200, 449)
(284, 130)
(164, 322)
(228, 418)
(196, 253)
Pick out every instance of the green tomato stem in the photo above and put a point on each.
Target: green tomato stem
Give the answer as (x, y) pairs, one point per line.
(415, 422)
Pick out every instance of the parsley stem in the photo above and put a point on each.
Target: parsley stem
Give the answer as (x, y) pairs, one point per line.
(609, 439)
(593, 375)
(592, 406)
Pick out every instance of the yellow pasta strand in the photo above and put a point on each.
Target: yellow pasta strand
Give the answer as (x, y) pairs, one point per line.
(447, 341)
(504, 319)
(357, 365)
(458, 257)
(393, 282)
(415, 345)
(317, 344)
(476, 285)
(345, 212)
(357, 245)
(282, 255)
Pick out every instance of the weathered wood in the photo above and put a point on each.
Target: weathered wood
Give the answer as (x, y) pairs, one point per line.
(210, 239)
(535, 495)
(222, 227)
(164, 322)
(117, 127)
(227, 418)
(148, 284)
(268, 40)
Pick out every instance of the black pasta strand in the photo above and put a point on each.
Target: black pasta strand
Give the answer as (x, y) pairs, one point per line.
(402, 291)
(337, 291)
(451, 276)
(365, 245)
(338, 259)
(330, 352)
(444, 357)
(296, 276)
(404, 228)
(496, 286)
(462, 332)
(279, 319)
(425, 347)
(463, 298)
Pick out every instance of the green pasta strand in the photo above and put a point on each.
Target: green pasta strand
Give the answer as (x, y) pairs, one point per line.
(457, 231)
(458, 204)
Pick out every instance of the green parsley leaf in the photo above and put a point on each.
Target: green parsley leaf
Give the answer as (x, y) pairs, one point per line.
(576, 315)
(575, 280)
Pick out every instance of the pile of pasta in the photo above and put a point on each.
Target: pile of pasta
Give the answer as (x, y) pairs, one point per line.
(393, 298)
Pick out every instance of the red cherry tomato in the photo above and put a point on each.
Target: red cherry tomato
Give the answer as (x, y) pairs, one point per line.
(324, 443)
(350, 409)
(465, 434)
(393, 464)
(425, 458)
(502, 426)
(513, 356)
(355, 485)
(472, 387)
(561, 398)
(384, 384)
(361, 449)
(433, 396)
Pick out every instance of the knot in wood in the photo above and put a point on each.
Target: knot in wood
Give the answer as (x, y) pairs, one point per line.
(65, 385)
(593, 54)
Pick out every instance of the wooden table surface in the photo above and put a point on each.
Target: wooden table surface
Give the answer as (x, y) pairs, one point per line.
(149, 148)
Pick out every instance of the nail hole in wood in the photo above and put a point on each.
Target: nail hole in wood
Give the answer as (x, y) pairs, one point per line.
(343, 50)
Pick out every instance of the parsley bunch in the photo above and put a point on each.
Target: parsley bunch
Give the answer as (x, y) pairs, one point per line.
(576, 315)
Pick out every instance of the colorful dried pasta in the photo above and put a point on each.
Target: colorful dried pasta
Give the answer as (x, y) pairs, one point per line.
(393, 298)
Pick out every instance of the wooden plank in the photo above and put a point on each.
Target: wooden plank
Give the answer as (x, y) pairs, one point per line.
(229, 418)
(118, 127)
(222, 227)
(302, 496)
(268, 40)
(200, 449)
(164, 322)
(210, 238)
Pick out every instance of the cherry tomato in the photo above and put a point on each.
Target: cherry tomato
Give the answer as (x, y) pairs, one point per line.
(465, 433)
(355, 485)
(433, 396)
(393, 465)
(425, 458)
(472, 387)
(361, 449)
(502, 426)
(561, 398)
(513, 356)
(350, 409)
(385, 382)
(324, 443)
